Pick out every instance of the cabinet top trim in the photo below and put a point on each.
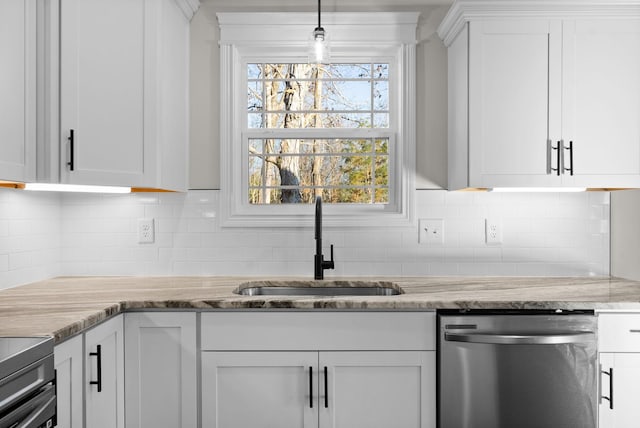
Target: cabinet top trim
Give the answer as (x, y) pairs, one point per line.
(188, 7)
(463, 11)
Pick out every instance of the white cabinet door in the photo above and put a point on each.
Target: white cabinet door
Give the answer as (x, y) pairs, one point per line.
(104, 375)
(623, 387)
(103, 90)
(378, 389)
(124, 73)
(514, 101)
(160, 362)
(69, 388)
(17, 89)
(601, 101)
(259, 389)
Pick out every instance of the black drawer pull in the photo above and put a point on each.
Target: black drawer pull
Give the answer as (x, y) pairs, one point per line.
(311, 387)
(98, 354)
(610, 397)
(326, 388)
(71, 139)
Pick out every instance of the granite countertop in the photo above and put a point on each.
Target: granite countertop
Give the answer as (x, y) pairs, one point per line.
(62, 307)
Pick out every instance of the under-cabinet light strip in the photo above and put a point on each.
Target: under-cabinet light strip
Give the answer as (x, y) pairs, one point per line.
(538, 189)
(52, 187)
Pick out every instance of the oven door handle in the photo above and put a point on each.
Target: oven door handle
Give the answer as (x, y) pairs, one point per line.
(35, 418)
(34, 413)
(519, 339)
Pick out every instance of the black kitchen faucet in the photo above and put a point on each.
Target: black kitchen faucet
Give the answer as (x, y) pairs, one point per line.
(320, 263)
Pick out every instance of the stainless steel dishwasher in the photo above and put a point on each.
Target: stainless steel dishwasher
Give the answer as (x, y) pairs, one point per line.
(517, 370)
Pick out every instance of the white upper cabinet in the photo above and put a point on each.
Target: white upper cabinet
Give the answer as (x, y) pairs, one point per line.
(601, 101)
(543, 95)
(123, 92)
(17, 89)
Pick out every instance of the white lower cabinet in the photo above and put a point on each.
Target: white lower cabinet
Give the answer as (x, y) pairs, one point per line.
(259, 389)
(345, 378)
(104, 374)
(318, 389)
(160, 363)
(377, 389)
(68, 364)
(619, 354)
(620, 389)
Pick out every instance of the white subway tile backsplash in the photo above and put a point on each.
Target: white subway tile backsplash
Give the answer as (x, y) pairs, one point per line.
(44, 235)
(30, 237)
(415, 269)
(472, 269)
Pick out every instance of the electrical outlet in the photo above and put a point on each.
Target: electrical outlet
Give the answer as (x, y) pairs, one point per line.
(493, 231)
(431, 231)
(146, 233)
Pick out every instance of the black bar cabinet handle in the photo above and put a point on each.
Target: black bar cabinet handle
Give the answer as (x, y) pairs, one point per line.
(558, 158)
(310, 387)
(570, 148)
(610, 397)
(558, 151)
(98, 354)
(71, 153)
(326, 388)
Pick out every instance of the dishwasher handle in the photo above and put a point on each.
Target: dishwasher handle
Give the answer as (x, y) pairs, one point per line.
(521, 339)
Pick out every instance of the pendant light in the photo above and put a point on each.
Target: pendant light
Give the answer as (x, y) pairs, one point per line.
(319, 47)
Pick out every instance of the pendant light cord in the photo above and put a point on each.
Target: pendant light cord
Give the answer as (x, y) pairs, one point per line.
(319, 26)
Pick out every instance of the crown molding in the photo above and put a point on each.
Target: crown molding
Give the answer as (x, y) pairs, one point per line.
(188, 7)
(250, 27)
(464, 11)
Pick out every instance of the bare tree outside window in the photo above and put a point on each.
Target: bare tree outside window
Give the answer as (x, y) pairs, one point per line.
(290, 170)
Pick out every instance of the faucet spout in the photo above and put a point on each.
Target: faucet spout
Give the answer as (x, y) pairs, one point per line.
(320, 264)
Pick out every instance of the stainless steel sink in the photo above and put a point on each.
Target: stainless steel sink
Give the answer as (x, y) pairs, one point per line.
(318, 288)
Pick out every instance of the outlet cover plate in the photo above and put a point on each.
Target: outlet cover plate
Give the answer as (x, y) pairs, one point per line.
(146, 233)
(431, 231)
(493, 231)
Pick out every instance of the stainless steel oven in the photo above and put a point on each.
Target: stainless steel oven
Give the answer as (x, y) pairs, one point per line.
(27, 383)
(524, 370)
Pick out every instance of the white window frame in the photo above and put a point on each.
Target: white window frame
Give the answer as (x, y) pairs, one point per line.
(386, 37)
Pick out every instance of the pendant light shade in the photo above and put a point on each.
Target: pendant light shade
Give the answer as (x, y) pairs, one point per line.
(319, 44)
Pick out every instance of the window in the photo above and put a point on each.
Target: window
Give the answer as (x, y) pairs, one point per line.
(288, 97)
(292, 131)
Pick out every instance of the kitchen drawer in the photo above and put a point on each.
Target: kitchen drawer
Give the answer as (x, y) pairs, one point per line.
(304, 331)
(619, 332)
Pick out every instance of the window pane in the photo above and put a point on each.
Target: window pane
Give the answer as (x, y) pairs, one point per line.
(347, 95)
(254, 71)
(381, 95)
(382, 170)
(295, 170)
(349, 71)
(381, 120)
(382, 146)
(254, 96)
(255, 146)
(351, 120)
(255, 171)
(381, 71)
(356, 170)
(382, 196)
(272, 146)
